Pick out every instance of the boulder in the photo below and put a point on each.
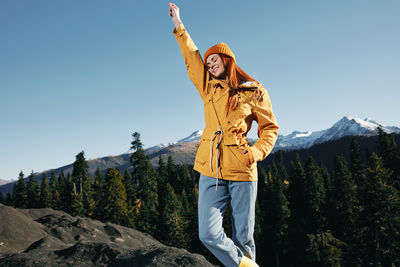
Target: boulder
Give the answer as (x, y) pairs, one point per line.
(46, 237)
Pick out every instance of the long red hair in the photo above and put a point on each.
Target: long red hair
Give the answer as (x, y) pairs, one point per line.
(234, 76)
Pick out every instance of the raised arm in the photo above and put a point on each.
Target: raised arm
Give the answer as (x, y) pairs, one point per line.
(197, 71)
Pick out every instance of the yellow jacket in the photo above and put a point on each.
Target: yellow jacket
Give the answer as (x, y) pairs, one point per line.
(224, 137)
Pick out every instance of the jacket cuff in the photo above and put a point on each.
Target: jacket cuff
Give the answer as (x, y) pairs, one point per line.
(180, 30)
(257, 154)
(251, 156)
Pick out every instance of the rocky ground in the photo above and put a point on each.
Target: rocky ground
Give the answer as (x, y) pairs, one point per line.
(46, 237)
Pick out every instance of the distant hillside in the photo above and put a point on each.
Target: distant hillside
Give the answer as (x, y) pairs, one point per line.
(4, 181)
(181, 153)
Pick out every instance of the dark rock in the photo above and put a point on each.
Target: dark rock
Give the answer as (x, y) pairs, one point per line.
(17, 231)
(45, 237)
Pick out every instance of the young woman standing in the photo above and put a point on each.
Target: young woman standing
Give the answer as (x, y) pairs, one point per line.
(226, 162)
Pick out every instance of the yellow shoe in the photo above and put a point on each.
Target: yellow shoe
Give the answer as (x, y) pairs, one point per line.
(247, 262)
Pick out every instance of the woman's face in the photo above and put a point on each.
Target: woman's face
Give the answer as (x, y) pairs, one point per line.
(215, 65)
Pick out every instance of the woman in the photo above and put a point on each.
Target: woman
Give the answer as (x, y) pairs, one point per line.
(226, 162)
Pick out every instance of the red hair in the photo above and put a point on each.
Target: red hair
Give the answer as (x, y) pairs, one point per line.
(235, 76)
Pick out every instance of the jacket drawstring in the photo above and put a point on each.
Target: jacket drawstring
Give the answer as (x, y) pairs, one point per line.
(219, 132)
(259, 93)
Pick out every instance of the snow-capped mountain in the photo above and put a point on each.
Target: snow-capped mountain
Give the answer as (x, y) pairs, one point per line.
(195, 136)
(347, 126)
(297, 140)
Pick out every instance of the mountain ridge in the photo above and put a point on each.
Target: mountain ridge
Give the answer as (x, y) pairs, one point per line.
(4, 181)
(183, 150)
(346, 126)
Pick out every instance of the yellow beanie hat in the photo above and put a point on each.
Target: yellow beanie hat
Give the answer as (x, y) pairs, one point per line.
(220, 48)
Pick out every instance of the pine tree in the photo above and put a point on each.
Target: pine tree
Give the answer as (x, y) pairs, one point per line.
(358, 171)
(173, 223)
(186, 214)
(33, 192)
(148, 217)
(19, 194)
(183, 179)
(55, 193)
(132, 192)
(314, 196)
(307, 199)
(144, 173)
(281, 170)
(65, 194)
(89, 203)
(162, 176)
(99, 188)
(191, 215)
(297, 222)
(260, 210)
(83, 185)
(9, 200)
(2, 201)
(326, 177)
(172, 172)
(76, 208)
(73, 204)
(328, 207)
(188, 180)
(357, 166)
(325, 249)
(344, 204)
(45, 193)
(79, 172)
(275, 218)
(258, 225)
(345, 199)
(390, 157)
(116, 208)
(381, 215)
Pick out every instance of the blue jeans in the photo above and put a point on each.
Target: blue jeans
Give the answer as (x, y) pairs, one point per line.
(211, 209)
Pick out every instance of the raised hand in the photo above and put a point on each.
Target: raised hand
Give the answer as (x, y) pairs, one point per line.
(174, 13)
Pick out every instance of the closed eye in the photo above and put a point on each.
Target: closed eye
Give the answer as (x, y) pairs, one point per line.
(213, 60)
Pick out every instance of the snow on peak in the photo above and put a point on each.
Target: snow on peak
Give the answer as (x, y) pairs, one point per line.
(296, 140)
(194, 136)
(346, 126)
(300, 134)
(371, 121)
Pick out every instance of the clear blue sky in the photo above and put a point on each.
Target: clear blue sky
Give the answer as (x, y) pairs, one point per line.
(84, 75)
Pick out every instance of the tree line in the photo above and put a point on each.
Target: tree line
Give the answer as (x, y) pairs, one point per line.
(305, 214)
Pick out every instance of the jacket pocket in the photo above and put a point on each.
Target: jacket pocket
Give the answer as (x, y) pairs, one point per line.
(234, 159)
(203, 151)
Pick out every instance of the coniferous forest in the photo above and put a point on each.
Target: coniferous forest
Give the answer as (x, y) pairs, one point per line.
(306, 214)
